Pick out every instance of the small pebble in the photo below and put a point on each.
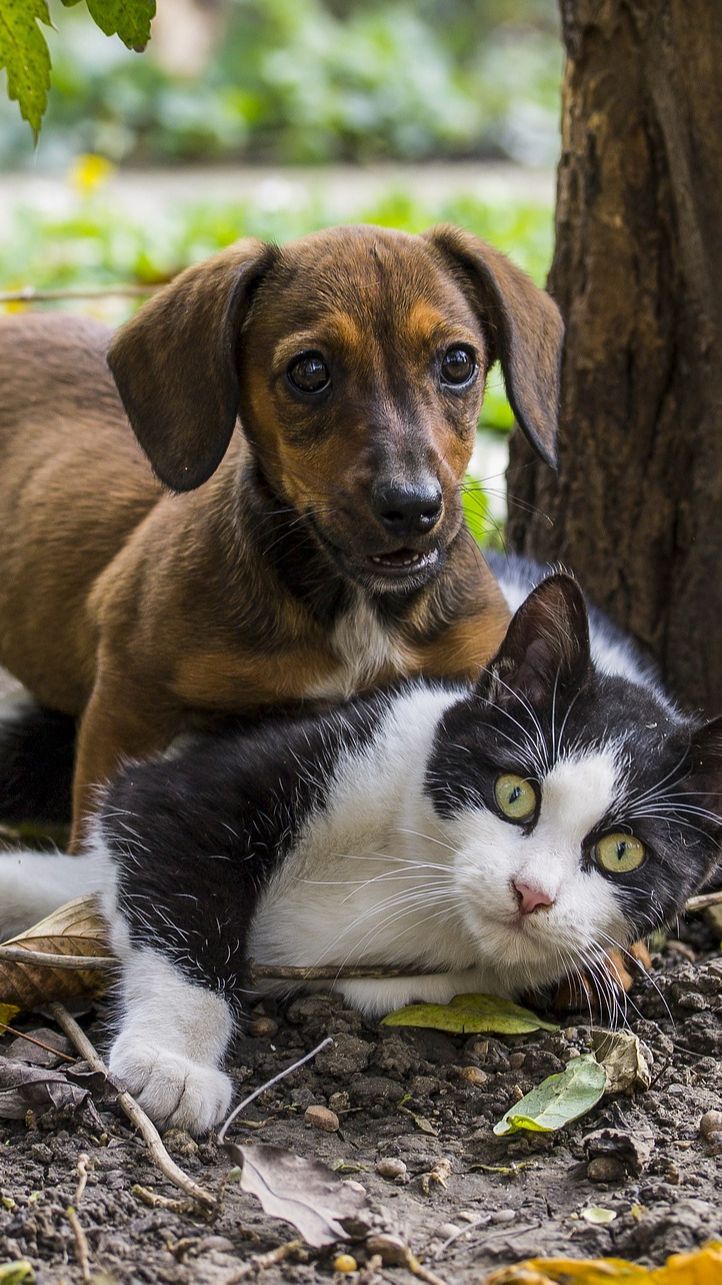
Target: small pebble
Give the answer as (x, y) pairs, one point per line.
(321, 1118)
(390, 1167)
(263, 1027)
(605, 1169)
(391, 1249)
(339, 1101)
(449, 1229)
(710, 1123)
(504, 1216)
(517, 1093)
(473, 1075)
(517, 1060)
(676, 1090)
(345, 1263)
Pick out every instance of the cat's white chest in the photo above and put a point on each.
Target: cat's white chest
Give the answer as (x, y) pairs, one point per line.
(364, 648)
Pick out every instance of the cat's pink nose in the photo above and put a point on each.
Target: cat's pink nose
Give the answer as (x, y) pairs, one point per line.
(531, 899)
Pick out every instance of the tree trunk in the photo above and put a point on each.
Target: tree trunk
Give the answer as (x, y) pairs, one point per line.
(636, 508)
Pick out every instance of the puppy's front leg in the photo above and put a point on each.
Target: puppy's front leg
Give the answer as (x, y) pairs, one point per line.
(172, 1039)
(123, 720)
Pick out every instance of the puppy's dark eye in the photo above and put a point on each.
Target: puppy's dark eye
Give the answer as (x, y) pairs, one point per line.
(309, 373)
(458, 366)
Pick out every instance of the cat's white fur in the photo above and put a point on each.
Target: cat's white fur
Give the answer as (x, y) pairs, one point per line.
(377, 877)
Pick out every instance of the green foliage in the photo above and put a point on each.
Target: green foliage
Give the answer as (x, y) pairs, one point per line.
(129, 19)
(24, 55)
(471, 1014)
(308, 81)
(558, 1100)
(24, 52)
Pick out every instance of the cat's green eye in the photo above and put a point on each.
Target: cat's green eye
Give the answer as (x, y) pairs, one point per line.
(619, 853)
(515, 797)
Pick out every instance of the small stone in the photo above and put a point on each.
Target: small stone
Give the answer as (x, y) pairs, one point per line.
(339, 1101)
(321, 1118)
(503, 1216)
(449, 1229)
(714, 1144)
(677, 1090)
(263, 1027)
(391, 1249)
(473, 1075)
(391, 1167)
(345, 1263)
(710, 1123)
(605, 1169)
(517, 1093)
(479, 1048)
(516, 1060)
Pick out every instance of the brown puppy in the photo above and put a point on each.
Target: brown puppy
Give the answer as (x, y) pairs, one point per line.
(320, 549)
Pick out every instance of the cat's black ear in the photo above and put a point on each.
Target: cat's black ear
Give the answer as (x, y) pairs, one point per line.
(705, 769)
(546, 646)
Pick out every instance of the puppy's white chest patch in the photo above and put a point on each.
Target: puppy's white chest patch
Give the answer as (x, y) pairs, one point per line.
(364, 648)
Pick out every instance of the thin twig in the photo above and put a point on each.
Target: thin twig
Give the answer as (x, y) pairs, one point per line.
(704, 900)
(417, 1269)
(131, 1109)
(261, 1262)
(89, 963)
(81, 1169)
(269, 1083)
(81, 1243)
(10, 1030)
(329, 972)
(156, 1201)
(31, 294)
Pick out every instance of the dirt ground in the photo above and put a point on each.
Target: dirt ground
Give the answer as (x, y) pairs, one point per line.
(410, 1096)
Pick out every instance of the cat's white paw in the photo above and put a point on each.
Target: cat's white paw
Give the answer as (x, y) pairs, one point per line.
(173, 1090)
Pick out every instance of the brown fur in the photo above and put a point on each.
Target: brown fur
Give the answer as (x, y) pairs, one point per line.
(138, 609)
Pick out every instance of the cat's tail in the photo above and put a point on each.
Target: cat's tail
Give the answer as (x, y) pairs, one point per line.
(37, 748)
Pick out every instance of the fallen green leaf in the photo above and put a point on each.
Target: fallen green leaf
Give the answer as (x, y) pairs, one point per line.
(7, 1013)
(471, 1014)
(557, 1100)
(598, 1216)
(14, 1273)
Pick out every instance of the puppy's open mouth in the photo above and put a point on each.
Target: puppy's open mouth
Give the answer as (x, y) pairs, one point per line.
(401, 561)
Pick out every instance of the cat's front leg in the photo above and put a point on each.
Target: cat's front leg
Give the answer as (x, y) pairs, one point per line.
(173, 1034)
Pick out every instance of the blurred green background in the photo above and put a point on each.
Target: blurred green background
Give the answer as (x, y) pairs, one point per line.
(276, 117)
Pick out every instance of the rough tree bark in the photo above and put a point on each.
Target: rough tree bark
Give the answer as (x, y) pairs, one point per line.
(636, 508)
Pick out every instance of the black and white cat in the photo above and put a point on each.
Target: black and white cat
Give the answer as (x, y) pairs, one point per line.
(497, 836)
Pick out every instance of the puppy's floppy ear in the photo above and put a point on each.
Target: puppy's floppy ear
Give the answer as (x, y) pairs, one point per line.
(524, 325)
(546, 646)
(175, 364)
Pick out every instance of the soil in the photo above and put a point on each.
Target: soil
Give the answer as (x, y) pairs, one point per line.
(404, 1095)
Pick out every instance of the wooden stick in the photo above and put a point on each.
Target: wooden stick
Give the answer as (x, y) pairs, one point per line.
(132, 1110)
(91, 963)
(704, 900)
(81, 1244)
(329, 972)
(31, 294)
(262, 1262)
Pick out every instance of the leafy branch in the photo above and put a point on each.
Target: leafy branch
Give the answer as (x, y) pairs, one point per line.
(24, 52)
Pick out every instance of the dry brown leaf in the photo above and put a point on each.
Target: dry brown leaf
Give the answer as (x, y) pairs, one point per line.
(304, 1192)
(23, 1087)
(74, 929)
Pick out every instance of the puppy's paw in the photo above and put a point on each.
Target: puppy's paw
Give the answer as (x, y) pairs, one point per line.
(174, 1091)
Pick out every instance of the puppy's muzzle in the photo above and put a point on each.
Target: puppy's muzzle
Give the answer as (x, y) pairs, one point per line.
(407, 509)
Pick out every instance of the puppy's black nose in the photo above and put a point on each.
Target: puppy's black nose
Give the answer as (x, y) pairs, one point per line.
(407, 509)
